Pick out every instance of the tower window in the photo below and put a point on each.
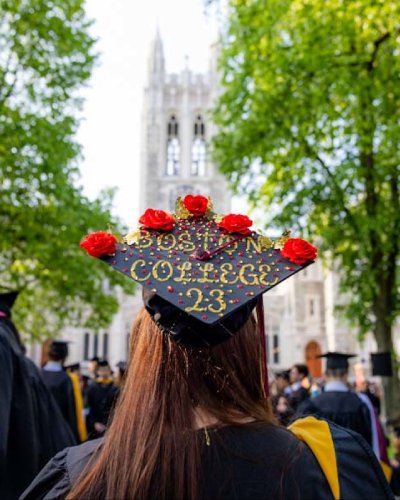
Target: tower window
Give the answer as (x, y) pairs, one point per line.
(86, 341)
(173, 148)
(198, 167)
(105, 345)
(275, 348)
(96, 344)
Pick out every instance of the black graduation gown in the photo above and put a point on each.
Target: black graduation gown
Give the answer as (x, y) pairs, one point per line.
(249, 462)
(343, 408)
(32, 428)
(100, 401)
(60, 386)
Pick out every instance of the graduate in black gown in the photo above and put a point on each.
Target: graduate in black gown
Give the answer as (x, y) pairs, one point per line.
(60, 384)
(337, 403)
(193, 420)
(32, 428)
(101, 396)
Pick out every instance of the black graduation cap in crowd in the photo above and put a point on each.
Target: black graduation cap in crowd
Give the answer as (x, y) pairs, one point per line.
(7, 300)
(122, 365)
(59, 348)
(201, 273)
(102, 362)
(381, 364)
(284, 374)
(337, 360)
(73, 367)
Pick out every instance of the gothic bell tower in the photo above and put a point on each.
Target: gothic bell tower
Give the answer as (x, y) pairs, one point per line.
(176, 133)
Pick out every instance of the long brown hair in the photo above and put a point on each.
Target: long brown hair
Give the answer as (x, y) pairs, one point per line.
(152, 449)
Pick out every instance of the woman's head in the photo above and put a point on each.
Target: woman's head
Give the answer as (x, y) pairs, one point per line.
(152, 443)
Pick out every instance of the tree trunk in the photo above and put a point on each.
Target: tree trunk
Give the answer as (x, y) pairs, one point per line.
(391, 385)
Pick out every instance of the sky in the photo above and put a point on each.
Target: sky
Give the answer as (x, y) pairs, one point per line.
(111, 118)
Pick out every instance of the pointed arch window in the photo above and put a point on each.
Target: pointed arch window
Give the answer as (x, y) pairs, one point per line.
(173, 148)
(198, 164)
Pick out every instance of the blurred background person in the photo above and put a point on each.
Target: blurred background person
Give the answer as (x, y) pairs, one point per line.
(298, 391)
(337, 403)
(282, 409)
(92, 366)
(101, 396)
(120, 373)
(60, 384)
(282, 381)
(32, 428)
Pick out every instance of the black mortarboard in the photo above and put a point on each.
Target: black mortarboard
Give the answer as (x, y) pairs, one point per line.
(201, 273)
(284, 374)
(59, 348)
(381, 364)
(122, 365)
(73, 367)
(336, 360)
(102, 362)
(7, 300)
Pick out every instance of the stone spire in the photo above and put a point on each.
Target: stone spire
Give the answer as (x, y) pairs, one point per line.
(156, 63)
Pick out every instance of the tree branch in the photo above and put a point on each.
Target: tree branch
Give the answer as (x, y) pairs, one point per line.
(378, 42)
(336, 187)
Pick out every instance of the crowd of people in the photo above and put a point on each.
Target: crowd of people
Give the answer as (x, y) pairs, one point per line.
(85, 399)
(190, 417)
(355, 406)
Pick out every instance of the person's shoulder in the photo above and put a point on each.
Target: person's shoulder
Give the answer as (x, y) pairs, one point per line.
(263, 438)
(78, 456)
(61, 472)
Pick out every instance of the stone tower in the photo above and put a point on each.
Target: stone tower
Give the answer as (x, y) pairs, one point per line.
(176, 133)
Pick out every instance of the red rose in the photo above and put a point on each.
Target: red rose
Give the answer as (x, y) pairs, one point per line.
(157, 219)
(99, 243)
(197, 205)
(236, 223)
(298, 251)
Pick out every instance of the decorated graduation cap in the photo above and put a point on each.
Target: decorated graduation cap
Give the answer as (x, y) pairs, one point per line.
(201, 273)
(204, 265)
(7, 300)
(381, 364)
(337, 360)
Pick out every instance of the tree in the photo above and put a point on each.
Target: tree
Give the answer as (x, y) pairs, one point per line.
(46, 55)
(309, 126)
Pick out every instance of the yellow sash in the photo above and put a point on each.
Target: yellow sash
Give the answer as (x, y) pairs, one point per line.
(80, 421)
(317, 435)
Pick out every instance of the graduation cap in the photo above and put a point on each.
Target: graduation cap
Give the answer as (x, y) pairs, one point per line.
(381, 364)
(59, 348)
(284, 374)
(201, 273)
(122, 365)
(102, 363)
(7, 300)
(337, 360)
(73, 367)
